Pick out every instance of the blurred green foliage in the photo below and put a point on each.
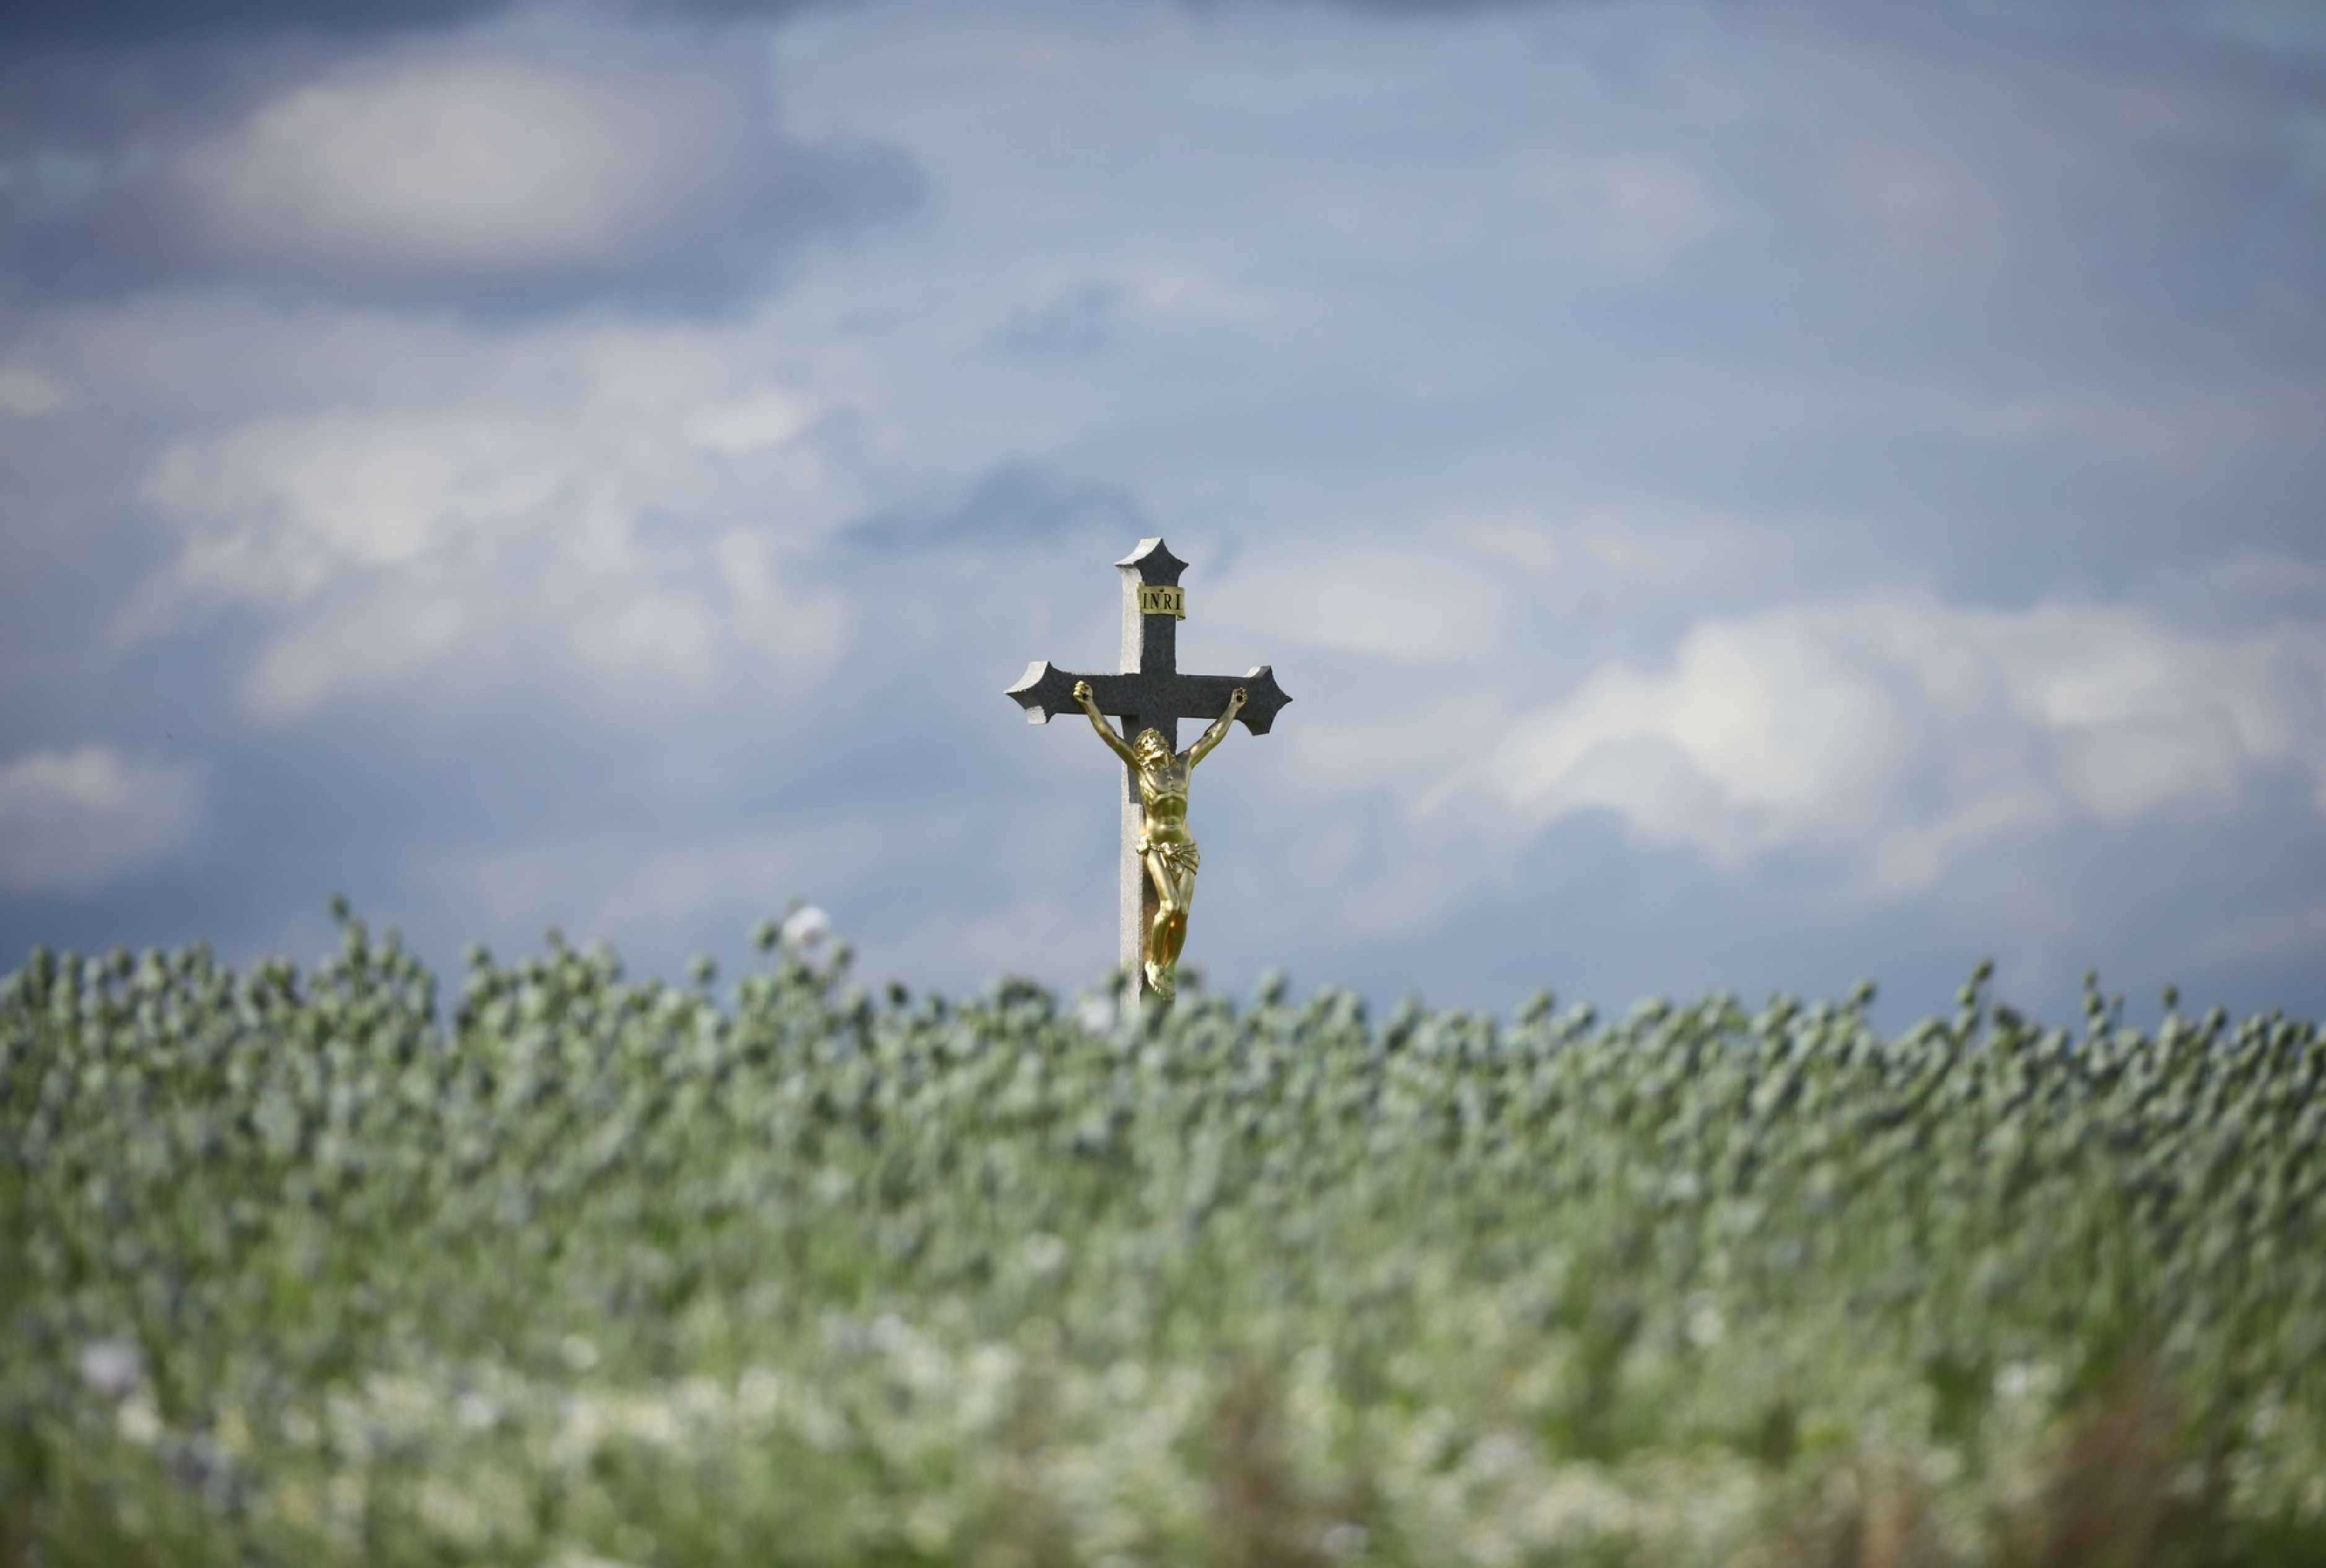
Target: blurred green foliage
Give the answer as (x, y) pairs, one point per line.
(301, 1268)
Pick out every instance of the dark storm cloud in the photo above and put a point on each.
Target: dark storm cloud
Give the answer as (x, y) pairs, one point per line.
(134, 23)
(513, 172)
(98, 234)
(131, 23)
(1414, 8)
(1009, 504)
(119, 23)
(70, 102)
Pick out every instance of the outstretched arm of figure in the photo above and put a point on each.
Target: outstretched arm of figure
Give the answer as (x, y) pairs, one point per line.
(1219, 729)
(1114, 743)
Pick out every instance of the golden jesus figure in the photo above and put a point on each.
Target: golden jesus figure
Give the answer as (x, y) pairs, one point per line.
(1164, 845)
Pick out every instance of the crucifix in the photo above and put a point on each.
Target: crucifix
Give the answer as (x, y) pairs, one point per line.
(1151, 696)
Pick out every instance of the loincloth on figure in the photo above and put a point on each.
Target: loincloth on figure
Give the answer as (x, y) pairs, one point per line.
(1178, 856)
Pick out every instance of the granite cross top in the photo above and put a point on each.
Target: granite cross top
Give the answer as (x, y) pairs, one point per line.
(1149, 692)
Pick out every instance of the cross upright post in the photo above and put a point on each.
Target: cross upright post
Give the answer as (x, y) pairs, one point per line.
(1148, 693)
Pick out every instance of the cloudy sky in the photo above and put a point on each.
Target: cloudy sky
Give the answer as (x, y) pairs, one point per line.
(1744, 495)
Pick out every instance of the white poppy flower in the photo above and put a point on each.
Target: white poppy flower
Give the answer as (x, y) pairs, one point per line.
(807, 928)
(111, 1368)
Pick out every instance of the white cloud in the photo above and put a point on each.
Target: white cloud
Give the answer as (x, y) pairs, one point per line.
(1635, 551)
(367, 646)
(767, 418)
(277, 510)
(549, 155)
(1515, 544)
(1393, 602)
(2244, 575)
(1901, 731)
(28, 393)
(798, 632)
(671, 634)
(623, 496)
(2184, 431)
(699, 613)
(492, 161)
(72, 821)
(498, 164)
(1664, 546)
(1344, 741)
(1179, 291)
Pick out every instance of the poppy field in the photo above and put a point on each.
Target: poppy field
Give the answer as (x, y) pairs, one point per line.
(321, 1267)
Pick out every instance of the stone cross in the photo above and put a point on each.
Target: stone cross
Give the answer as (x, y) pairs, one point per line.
(1148, 693)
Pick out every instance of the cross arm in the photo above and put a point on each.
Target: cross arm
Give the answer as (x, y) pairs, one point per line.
(1045, 691)
(1206, 697)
